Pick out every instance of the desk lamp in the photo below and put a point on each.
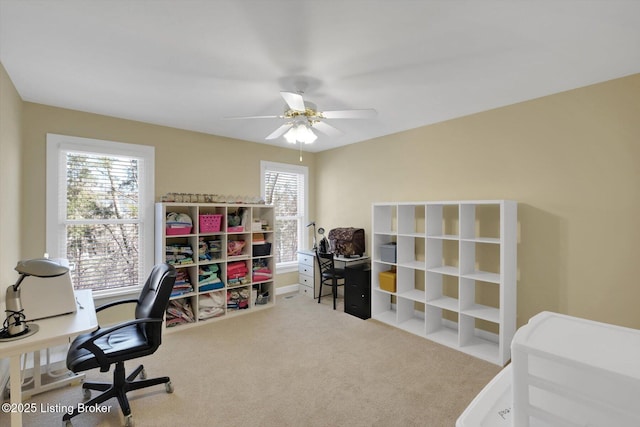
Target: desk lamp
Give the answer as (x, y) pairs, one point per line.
(315, 242)
(14, 324)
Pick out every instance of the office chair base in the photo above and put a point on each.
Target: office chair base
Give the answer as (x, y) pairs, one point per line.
(118, 389)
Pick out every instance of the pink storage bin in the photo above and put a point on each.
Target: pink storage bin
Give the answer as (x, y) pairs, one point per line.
(210, 223)
(178, 231)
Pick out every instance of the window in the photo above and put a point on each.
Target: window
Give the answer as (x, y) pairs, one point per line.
(100, 211)
(285, 187)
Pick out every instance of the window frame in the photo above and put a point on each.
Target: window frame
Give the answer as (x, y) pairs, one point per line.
(290, 266)
(59, 145)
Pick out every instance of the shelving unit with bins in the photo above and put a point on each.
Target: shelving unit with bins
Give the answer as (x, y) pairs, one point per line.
(385, 231)
(455, 273)
(243, 292)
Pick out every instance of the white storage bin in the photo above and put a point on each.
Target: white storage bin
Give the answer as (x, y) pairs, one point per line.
(492, 407)
(575, 372)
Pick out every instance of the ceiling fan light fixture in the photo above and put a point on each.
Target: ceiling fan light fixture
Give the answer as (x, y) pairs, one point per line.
(290, 136)
(309, 136)
(302, 115)
(300, 133)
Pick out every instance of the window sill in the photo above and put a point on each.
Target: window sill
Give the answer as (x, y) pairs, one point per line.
(111, 295)
(286, 268)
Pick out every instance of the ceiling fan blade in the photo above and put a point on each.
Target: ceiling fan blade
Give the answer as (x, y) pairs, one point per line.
(350, 114)
(281, 130)
(253, 117)
(293, 100)
(327, 129)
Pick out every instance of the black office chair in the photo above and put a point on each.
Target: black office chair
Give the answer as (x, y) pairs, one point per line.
(329, 274)
(125, 341)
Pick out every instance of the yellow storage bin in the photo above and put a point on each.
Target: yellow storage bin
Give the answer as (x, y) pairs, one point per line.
(388, 281)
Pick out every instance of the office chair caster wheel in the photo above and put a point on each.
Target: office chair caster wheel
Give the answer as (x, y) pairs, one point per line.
(168, 387)
(86, 394)
(128, 421)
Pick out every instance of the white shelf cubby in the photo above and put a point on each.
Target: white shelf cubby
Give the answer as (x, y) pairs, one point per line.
(455, 272)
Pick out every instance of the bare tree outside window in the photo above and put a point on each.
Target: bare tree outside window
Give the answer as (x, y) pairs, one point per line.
(102, 220)
(100, 211)
(285, 190)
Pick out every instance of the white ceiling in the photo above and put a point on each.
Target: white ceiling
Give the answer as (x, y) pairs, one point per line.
(190, 63)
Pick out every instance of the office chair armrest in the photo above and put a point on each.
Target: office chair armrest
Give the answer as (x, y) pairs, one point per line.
(114, 303)
(101, 357)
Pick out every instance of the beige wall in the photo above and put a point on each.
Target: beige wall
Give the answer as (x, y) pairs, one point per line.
(10, 171)
(571, 160)
(188, 162)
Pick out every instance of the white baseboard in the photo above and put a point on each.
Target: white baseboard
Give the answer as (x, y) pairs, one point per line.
(287, 289)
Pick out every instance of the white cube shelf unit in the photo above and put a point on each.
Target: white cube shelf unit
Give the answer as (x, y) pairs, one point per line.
(252, 265)
(455, 273)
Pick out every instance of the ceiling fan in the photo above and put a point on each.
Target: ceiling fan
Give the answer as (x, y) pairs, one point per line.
(302, 117)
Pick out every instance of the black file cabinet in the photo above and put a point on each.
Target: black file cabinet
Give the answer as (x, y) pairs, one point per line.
(357, 290)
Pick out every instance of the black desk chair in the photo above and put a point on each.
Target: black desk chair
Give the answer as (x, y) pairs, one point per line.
(125, 341)
(329, 274)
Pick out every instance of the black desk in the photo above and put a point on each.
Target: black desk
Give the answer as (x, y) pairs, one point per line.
(357, 290)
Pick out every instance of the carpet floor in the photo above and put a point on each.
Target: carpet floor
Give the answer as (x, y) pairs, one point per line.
(298, 363)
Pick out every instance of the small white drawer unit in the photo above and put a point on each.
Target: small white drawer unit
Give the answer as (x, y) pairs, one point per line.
(307, 273)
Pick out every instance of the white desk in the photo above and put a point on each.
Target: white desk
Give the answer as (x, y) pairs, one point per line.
(352, 260)
(53, 331)
(308, 274)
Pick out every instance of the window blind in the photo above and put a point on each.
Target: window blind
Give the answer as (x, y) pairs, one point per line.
(101, 222)
(285, 191)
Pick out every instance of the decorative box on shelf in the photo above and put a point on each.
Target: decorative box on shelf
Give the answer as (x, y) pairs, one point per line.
(388, 280)
(263, 249)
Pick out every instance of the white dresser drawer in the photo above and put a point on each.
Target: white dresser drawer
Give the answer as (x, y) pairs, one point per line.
(306, 290)
(305, 269)
(306, 259)
(305, 280)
